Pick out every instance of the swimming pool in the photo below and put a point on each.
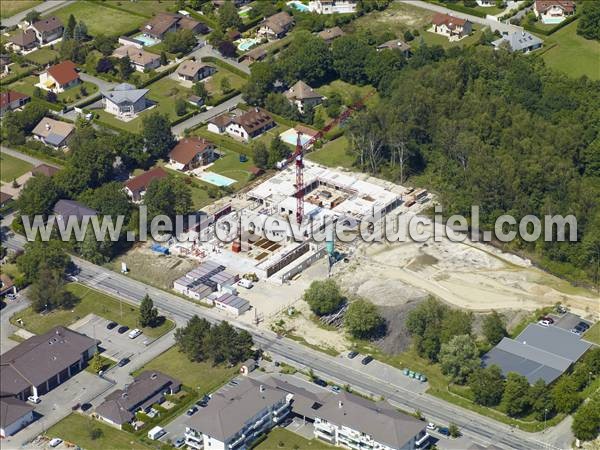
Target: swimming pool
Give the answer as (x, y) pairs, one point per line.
(146, 40)
(552, 20)
(291, 137)
(216, 179)
(298, 5)
(245, 44)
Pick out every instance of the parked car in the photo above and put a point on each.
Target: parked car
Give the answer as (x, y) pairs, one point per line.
(55, 442)
(547, 319)
(352, 355)
(584, 326)
(34, 399)
(193, 410)
(366, 360)
(320, 382)
(11, 296)
(122, 329)
(111, 325)
(123, 362)
(179, 442)
(245, 283)
(134, 333)
(147, 342)
(444, 431)
(544, 323)
(335, 389)
(86, 406)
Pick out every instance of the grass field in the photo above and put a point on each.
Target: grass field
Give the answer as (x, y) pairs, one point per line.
(284, 439)
(27, 86)
(572, 54)
(202, 376)
(75, 428)
(230, 166)
(100, 19)
(146, 8)
(593, 334)
(43, 56)
(333, 154)
(90, 301)
(397, 18)
(437, 39)
(213, 84)
(11, 167)
(12, 7)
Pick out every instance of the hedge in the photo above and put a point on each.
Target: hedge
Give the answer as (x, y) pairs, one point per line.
(40, 155)
(224, 65)
(158, 76)
(202, 18)
(224, 98)
(89, 101)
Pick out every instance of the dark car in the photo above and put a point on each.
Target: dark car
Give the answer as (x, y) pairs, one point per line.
(122, 329)
(352, 355)
(123, 362)
(191, 411)
(320, 382)
(86, 406)
(366, 360)
(111, 325)
(444, 431)
(584, 326)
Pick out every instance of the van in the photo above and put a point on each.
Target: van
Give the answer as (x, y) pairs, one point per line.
(156, 433)
(245, 283)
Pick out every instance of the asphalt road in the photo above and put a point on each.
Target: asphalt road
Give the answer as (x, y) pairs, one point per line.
(473, 425)
(44, 8)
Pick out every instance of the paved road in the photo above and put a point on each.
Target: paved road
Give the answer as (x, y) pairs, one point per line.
(434, 409)
(494, 25)
(6, 328)
(208, 50)
(206, 115)
(102, 84)
(46, 7)
(23, 156)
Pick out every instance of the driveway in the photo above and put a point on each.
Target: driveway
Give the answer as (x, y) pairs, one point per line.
(208, 50)
(6, 328)
(179, 129)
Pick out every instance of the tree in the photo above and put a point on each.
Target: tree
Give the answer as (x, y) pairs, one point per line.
(48, 292)
(408, 36)
(260, 83)
(38, 196)
(586, 421)
(565, 395)
(96, 363)
(51, 97)
(424, 324)
(515, 399)
(227, 49)
(50, 255)
(278, 151)
(104, 44)
(307, 58)
(169, 196)
(80, 32)
(190, 338)
(32, 16)
(225, 85)
(363, 321)
(454, 430)
(163, 59)
(180, 42)
(157, 134)
(199, 89)
(487, 385)
(71, 24)
(323, 297)
(493, 328)
(454, 323)
(588, 24)
(93, 249)
(180, 107)
(125, 67)
(541, 401)
(459, 358)
(260, 154)
(104, 65)
(349, 58)
(148, 313)
(229, 17)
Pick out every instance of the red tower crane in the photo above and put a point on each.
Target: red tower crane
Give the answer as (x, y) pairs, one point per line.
(298, 155)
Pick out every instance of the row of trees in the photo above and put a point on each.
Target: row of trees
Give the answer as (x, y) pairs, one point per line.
(199, 340)
(588, 24)
(362, 319)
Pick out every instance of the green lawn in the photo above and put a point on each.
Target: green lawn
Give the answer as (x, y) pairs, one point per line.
(593, 334)
(12, 7)
(75, 428)
(43, 56)
(202, 376)
(146, 7)
(231, 167)
(100, 19)
(213, 84)
(11, 167)
(91, 301)
(349, 92)
(572, 54)
(284, 439)
(333, 154)
(397, 18)
(437, 39)
(27, 86)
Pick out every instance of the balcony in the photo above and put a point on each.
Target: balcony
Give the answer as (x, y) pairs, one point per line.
(238, 441)
(281, 408)
(423, 442)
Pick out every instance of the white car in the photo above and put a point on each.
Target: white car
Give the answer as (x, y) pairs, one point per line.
(34, 399)
(544, 323)
(431, 426)
(134, 333)
(55, 442)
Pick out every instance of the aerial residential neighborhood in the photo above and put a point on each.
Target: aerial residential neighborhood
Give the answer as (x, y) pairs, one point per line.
(294, 224)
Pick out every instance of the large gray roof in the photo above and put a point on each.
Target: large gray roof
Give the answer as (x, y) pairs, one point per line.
(124, 93)
(12, 409)
(538, 352)
(230, 408)
(519, 41)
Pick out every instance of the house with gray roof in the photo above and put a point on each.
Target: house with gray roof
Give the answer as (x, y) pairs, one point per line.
(537, 353)
(148, 388)
(237, 415)
(518, 41)
(64, 209)
(54, 133)
(124, 100)
(15, 414)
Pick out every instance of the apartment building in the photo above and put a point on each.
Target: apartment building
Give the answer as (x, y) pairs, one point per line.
(237, 415)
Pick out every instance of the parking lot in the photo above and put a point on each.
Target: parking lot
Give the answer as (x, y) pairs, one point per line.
(115, 345)
(568, 320)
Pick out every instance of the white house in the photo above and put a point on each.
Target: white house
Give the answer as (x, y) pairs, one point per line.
(192, 152)
(14, 415)
(59, 77)
(333, 6)
(303, 97)
(124, 100)
(519, 41)
(194, 70)
(553, 11)
(47, 30)
(452, 27)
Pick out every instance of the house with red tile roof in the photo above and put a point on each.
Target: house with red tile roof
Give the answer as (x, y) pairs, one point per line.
(59, 77)
(452, 27)
(190, 153)
(11, 100)
(137, 186)
(553, 11)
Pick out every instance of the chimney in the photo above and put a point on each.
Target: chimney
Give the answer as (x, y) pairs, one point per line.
(47, 128)
(262, 388)
(340, 404)
(154, 376)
